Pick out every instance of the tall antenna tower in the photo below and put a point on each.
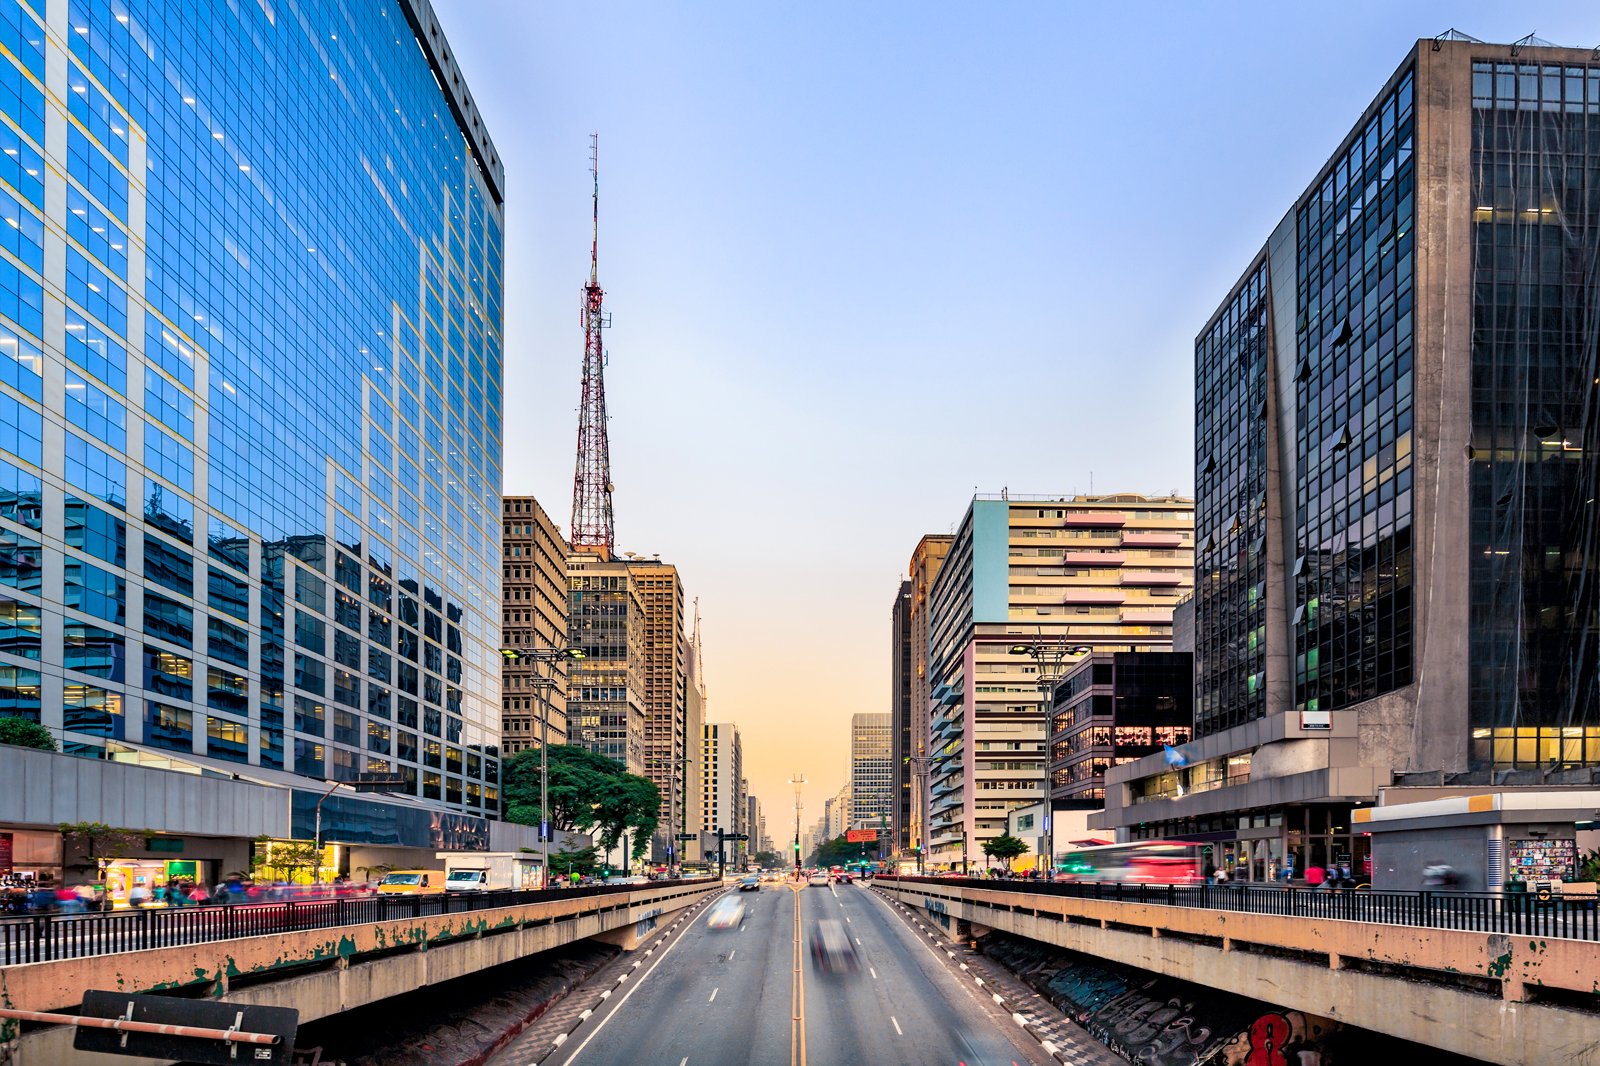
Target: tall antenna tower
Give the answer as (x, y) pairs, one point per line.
(591, 482)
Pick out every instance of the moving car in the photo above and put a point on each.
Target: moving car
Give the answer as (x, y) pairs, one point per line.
(411, 883)
(831, 948)
(817, 879)
(751, 883)
(726, 913)
(844, 877)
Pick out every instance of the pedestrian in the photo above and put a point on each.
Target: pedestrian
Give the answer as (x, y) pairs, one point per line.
(138, 895)
(1222, 875)
(1316, 876)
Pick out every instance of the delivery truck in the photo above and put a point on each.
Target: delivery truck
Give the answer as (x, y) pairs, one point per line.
(489, 871)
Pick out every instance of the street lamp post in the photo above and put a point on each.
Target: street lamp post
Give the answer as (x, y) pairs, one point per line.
(543, 685)
(1050, 656)
(317, 837)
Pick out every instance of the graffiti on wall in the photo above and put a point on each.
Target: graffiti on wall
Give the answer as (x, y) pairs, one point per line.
(1279, 1038)
(1154, 1020)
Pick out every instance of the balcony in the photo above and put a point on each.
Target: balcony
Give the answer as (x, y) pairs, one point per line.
(1148, 615)
(1153, 538)
(1096, 520)
(1092, 558)
(1153, 578)
(1092, 595)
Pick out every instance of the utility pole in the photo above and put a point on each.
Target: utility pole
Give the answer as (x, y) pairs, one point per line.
(798, 781)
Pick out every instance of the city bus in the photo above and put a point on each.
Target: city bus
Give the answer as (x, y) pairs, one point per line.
(1152, 862)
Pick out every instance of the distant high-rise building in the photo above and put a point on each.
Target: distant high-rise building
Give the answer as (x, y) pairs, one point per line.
(694, 715)
(249, 522)
(666, 691)
(1072, 574)
(533, 619)
(836, 812)
(605, 689)
(902, 745)
(1113, 707)
(1396, 424)
(872, 778)
(926, 560)
(722, 773)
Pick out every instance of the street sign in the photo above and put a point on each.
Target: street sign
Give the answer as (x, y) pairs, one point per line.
(282, 1022)
(735, 836)
(685, 836)
(860, 836)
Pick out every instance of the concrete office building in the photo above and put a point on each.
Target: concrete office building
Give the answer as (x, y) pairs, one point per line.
(722, 775)
(1075, 573)
(926, 560)
(1394, 423)
(872, 779)
(901, 746)
(251, 399)
(605, 690)
(666, 692)
(534, 618)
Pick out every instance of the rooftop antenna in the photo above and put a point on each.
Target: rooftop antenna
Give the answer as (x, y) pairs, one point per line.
(592, 528)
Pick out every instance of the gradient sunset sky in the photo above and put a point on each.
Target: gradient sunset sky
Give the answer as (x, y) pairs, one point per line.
(866, 258)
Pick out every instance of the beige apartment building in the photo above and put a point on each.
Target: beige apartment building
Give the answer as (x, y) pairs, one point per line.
(1068, 576)
(533, 617)
(926, 561)
(606, 689)
(666, 741)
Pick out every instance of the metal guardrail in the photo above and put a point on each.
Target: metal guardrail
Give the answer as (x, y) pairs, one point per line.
(1515, 913)
(51, 937)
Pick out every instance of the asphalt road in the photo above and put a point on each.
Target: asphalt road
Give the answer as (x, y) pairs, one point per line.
(753, 995)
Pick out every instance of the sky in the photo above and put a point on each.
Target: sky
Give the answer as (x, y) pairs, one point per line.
(865, 259)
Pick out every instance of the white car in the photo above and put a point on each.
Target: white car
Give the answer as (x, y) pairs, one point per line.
(726, 913)
(818, 880)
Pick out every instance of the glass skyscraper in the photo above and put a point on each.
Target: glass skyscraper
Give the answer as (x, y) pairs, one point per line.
(250, 390)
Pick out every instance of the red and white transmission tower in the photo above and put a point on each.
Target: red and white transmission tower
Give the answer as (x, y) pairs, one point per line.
(591, 483)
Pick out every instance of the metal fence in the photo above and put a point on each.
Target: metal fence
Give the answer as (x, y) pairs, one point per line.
(1534, 913)
(48, 937)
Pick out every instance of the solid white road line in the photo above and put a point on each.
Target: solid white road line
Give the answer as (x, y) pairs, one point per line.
(897, 1029)
(624, 1000)
(713, 998)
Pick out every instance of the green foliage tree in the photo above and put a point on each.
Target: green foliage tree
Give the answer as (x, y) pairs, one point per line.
(589, 793)
(835, 852)
(1005, 847)
(768, 860)
(25, 733)
(101, 842)
(573, 859)
(283, 860)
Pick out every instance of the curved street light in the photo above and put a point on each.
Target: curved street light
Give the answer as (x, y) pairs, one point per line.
(552, 656)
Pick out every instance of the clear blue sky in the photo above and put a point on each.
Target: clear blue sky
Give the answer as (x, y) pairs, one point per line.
(863, 258)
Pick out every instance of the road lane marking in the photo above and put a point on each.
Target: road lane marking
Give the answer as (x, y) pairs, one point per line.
(623, 1001)
(713, 998)
(897, 1029)
(873, 972)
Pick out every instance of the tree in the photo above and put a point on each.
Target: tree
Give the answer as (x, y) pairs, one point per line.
(25, 733)
(589, 793)
(835, 852)
(574, 859)
(101, 842)
(282, 860)
(1005, 847)
(768, 860)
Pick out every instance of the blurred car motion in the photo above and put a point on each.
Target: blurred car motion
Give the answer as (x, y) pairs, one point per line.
(726, 913)
(831, 948)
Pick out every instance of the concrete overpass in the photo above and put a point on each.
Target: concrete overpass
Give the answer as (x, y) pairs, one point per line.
(1490, 995)
(325, 971)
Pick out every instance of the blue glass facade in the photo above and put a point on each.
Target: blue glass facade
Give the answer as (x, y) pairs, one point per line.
(250, 408)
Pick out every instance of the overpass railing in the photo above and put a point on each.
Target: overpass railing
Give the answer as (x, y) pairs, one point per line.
(1516, 913)
(49, 937)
